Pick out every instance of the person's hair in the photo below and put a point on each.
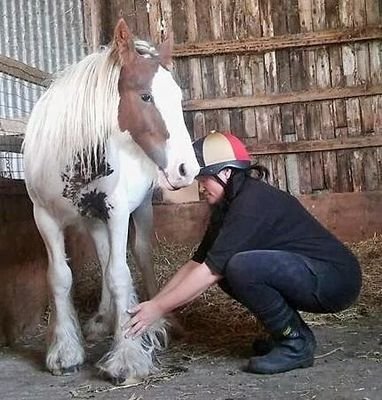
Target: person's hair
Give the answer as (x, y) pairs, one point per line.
(255, 171)
(258, 172)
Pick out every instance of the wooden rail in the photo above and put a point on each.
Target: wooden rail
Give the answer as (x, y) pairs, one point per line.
(309, 146)
(263, 44)
(23, 71)
(13, 142)
(266, 44)
(12, 126)
(281, 98)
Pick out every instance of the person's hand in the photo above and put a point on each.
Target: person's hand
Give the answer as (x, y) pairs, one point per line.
(145, 314)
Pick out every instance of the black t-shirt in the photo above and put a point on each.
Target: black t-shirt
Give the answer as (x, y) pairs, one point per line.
(261, 217)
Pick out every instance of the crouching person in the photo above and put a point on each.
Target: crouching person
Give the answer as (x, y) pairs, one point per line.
(265, 250)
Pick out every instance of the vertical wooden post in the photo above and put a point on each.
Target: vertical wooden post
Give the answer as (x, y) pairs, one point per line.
(93, 23)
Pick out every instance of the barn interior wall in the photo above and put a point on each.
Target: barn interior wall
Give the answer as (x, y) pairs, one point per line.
(342, 122)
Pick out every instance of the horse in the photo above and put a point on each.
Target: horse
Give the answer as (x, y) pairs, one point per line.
(105, 133)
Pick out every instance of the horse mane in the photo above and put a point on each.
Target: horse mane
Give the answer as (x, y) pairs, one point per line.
(71, 122)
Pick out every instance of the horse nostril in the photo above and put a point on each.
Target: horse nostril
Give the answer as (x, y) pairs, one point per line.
(182, 170)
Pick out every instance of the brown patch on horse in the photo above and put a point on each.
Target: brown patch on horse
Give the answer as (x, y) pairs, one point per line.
(137, 112)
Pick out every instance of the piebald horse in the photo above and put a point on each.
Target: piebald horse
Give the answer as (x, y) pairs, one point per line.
(97, 142)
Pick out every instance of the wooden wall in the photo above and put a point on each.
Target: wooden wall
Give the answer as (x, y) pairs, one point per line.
(299, 80)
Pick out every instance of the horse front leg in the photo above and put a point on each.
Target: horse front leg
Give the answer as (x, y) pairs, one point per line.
(65, 352)
(142, 249)
(141, 244)
(129, 359)
(101, 323)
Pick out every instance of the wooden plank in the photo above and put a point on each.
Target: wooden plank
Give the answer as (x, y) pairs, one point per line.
(93, 23)
(196, 91)
(313, 127)
(155, 17)
(23, 71)
(364, 70)
(203, 16)
(267, 44)
(217, 27)
(307, 13)
(12, 126)
(282, 98)
(350, 216)
(278, 161)
(310, 146)
(302, 77)
(303, 160)
(347, 14)
(142, 18)
(279, 18)
(254, 71)
(181, 65)
(344, 178)
(284, 21)
(374, 15)
(323, 126)
(263, 84)
(232, 64)
(335, 60)
(248, 114)
(329, 158)
(249, 26)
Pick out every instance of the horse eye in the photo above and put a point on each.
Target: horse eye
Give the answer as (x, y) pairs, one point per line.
(147, 98)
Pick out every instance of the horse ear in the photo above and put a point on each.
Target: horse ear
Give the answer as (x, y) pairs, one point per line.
(165, 51)
(123, 40)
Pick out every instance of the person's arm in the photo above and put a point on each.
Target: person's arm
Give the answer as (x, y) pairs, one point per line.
(187, 284)
(178, 277)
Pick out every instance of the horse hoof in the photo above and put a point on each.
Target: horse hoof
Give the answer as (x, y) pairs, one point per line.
(71, 370)
(66, 371)
(123, 381)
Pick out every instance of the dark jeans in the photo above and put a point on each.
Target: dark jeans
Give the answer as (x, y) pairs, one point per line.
(274, 284)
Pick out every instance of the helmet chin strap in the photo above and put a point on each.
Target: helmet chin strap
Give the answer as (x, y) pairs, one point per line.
(220, 180)
(227, 172)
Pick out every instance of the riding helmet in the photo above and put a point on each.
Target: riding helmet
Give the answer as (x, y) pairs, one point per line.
(217, 151)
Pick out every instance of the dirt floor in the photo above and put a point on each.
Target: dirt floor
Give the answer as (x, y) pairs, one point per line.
(208, 363)
(348, 366)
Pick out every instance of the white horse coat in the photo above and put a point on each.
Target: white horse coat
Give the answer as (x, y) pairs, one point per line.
(95, 145)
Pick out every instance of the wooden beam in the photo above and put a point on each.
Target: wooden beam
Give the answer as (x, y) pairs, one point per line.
(14, 142)
(12, 126)
(281, 98)
(309, 146)
(266, 44)
(23, 71)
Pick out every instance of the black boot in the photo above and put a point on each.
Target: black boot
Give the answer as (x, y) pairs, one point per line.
(294, 348)
(261, 347)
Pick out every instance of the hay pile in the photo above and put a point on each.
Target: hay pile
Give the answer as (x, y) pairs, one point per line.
(215, 319)
(369, 253)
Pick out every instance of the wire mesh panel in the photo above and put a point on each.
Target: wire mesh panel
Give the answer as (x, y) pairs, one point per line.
(11, 136)
(43, 34)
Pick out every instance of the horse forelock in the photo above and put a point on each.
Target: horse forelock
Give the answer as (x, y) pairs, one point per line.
(74, 118)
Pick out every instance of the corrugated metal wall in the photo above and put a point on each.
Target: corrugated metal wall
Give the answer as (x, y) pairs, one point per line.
(47, 34)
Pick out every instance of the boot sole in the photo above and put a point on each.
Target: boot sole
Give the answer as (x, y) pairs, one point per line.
(265, 371)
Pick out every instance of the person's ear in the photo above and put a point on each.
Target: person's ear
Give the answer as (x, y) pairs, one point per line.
(225, 174)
